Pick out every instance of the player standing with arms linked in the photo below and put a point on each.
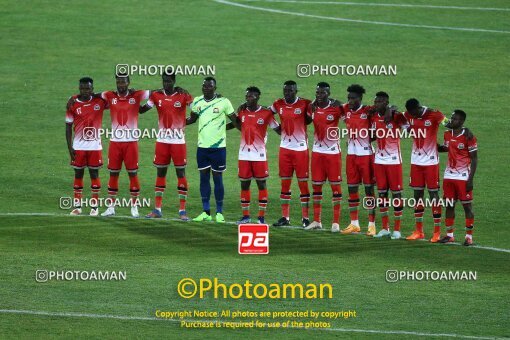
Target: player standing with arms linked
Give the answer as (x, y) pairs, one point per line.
(211, 112)
(86, 114)
(293, 155)
(459, 174)
(253, 120)
(171, 104)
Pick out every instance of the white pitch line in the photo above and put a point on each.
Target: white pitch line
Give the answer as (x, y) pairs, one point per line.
(148, 318)
(501, 250)
(383, 5)
(465, 29)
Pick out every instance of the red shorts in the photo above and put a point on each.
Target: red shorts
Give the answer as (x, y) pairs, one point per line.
(456, 189)
(253, 169)
(388, 176)
(93, 159)
(424, 175)
(290, 160)
(119, 152)
(326, 167)
(360, 169)
(165, 153)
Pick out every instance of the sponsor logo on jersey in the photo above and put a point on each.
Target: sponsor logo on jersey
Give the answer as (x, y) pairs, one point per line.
(216, 110)
(177, 104)
(428, 123)
(297, 111)
(330, 117)
(389, 126)
(97, 107)
(260, 121)
(132, 101)
(460, 146)
(363, 116)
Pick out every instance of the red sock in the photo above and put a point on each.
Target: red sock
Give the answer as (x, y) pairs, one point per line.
(304, 197)
(78, 190)
(353, 206)
(262, 202)
(245, 202)
(469, 226)
(113, 185)
(449, 222)
(285, 197)
(182, 190)
(159, 189)
(134, 188)
(418, 217)
(436, 214)
(371, 212)
(336, 200)
(317, 201)
(95, 187)
(397, 214)
(384, 216)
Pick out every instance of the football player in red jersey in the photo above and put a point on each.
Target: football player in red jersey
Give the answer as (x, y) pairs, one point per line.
(386, 125)
(85, 149)
(326, 155)
(253, 120)
(459, 174)
(293, 155)
(424, 124)
(124, 105)
(171, 105)
(360, 157)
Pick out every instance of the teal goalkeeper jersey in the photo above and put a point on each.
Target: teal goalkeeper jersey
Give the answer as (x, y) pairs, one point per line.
(212, 121)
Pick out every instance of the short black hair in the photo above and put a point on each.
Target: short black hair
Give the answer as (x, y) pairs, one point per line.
(86, 80)
(253, 89)
(382, 94)
(356, 88)
(122, 75)
(210, 79)
(323, 84)
(412, 104)
(461, 113)
(168, 75)
(290, 83)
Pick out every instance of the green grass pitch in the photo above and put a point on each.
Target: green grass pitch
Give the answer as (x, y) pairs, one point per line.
(47, 46)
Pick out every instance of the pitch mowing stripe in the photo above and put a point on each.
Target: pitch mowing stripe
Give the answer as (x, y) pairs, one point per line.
(502, 250)
(225, 2)
(148, 318)
(382, 5)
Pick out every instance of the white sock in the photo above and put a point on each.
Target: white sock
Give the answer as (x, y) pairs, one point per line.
(158, 209)
(355, 222)
(469, 236)
(371, 224)
(449, 234)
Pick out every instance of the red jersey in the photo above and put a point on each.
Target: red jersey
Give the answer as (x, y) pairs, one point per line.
(326, 134)
(424, 131)
(388, 138)
(87, 118)
(358, 129)
(254, 133)
(459, 161)
(172, 115)
(292, 118)
(124, 114)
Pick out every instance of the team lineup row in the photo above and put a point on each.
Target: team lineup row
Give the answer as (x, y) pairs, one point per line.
(365, 124)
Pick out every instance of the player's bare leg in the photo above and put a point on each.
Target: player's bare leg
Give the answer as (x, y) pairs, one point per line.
(77, 189)
(470, 220)
(159, 190)
(436, 214)
(113, 188)
(182, 190)
(369, 192)
(95, 187)
(418, 216)
(245, 201)
(263, 196)
(353, 227)
(134, 190)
